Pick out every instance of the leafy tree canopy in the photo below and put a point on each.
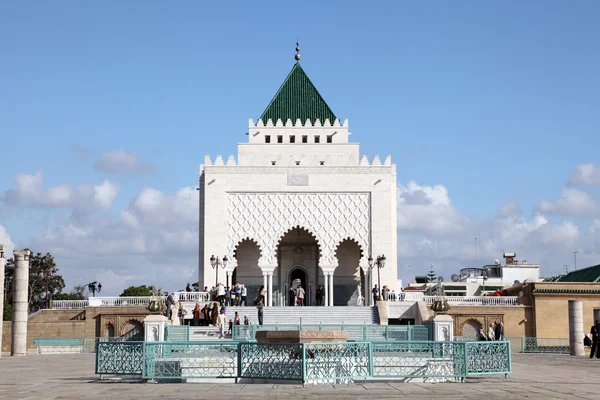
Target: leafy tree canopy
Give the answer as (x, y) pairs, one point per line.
(78, 293)
(40, 267)
(133, 291)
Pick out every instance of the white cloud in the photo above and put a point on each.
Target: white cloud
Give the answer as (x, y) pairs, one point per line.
(573, 202)
(6, 241)
(585, 174)
(427, 209)
(29, 191)
(119, 161)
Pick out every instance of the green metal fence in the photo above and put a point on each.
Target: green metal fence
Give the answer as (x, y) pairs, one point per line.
(530, 344)
(306, 363)
(177, 333)
(119, 358)
(355, 332)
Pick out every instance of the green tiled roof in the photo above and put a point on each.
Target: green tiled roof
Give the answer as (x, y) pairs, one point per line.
(297, 98)
(565, 291)
(590, 274)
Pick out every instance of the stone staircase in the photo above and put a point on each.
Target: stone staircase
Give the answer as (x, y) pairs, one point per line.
(310, 315)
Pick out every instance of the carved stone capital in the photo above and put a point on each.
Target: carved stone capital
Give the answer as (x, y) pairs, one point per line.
(21, 255)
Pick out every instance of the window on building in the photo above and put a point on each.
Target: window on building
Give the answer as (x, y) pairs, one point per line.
(279, 139)
(273, 162)
(329, 139)
(292, 139)
(267, 138)
(317, 139)
(304, 139)
(321, 162)
(297, 162)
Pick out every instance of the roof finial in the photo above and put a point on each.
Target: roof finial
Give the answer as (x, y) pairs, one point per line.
(297, 57)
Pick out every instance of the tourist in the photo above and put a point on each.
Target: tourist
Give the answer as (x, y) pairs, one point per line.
(595, 333)
(300, 294)
(221, 293)
(498, 331)
(375, 292)
(236, 319)
(491, 332)
(221, 319)
(206, 314)
(188, 288)
(292, 296)
(170, 302)
(481, 335)
(227, 296)
(196, 314)
(261, 294)
(246, 320)
(320, 294)
(244, 294)
(230, 327)
(384, 293)
(259, 306)
(181, 313)
(214, 314)
(238, 294)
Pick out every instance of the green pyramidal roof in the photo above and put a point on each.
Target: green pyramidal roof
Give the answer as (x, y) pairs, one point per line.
(297, 98)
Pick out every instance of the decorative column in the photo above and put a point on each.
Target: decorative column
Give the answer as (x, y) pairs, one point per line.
(368, 297)
(326, 288)
(266, 286)
(2, 265)
(576, 328)
(20, 303)
(270, 290)
(331, 289)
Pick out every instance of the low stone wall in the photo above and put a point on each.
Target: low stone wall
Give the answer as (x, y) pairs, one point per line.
(56, 329)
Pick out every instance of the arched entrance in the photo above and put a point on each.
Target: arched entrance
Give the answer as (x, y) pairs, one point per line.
(348, 278)
(297, 258)
(471, 328)
(298, 276)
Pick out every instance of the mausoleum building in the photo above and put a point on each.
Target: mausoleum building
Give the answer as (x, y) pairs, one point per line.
(298, 205)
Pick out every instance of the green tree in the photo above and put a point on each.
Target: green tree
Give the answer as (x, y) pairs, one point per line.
(133, 291)
(78, 293)
(40, 267)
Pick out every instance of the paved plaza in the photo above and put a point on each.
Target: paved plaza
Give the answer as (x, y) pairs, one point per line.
(535, 376)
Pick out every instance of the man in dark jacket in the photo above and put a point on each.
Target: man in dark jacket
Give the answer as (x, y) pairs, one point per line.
(498, 331)
(595, 333)
(169, 303)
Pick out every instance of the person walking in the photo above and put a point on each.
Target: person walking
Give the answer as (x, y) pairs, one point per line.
(595, 333)
(300, 294)
(498, 331)
(375, 292)
(196, 314)
(221, 294)
(221, 320)
(244, 294)
(170, 302)
(292, 297)
(181, 313)
(259, 306)
(491, 332)
(319, 295)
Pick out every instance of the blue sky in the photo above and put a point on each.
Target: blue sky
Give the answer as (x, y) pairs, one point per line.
(496, 102)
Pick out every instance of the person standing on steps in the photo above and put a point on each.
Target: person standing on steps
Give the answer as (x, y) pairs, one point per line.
(375, 292)
(259, 306)
(300, 294)
(244, 294)
(292, 297)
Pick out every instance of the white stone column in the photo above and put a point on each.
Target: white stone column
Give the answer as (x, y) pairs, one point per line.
(270, 290)
(331, 289)
(443, 328)
(266, 285)
(576, 328)
(326, 288)
(20, 303)
(2, 265)
(154, 328)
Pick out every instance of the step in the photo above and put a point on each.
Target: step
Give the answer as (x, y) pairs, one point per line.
(309, 315)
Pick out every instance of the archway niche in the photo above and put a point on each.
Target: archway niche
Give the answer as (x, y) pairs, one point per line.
(133, 330)
(297, 258)
(247, 271)
(348, 278)
(471, 328)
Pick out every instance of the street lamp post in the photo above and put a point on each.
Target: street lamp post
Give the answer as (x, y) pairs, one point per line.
(215, 262)
(380, 263)
(94, 287)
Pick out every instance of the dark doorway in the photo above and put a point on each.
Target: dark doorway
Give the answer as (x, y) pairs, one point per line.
(298, 276)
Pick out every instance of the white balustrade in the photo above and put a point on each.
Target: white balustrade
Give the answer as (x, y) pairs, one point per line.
(192, 296)
(69, 304)
(461, 300)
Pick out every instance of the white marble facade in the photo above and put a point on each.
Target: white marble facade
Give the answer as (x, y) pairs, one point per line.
(298, 207)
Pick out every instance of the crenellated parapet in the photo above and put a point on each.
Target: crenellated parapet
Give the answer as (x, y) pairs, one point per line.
(302, 160)
(308, 123)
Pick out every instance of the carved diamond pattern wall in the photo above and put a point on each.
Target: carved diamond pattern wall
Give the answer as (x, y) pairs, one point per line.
(266, 217)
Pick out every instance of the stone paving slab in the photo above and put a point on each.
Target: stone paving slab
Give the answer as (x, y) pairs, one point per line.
(535, 376)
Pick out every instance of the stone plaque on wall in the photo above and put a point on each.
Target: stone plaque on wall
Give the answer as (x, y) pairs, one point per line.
(297, 180)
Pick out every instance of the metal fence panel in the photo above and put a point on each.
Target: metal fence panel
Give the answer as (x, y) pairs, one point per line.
(124, 358)
(488, 357)
(271, 361)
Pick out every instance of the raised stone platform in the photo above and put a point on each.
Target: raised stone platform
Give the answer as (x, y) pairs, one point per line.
(301, 336)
